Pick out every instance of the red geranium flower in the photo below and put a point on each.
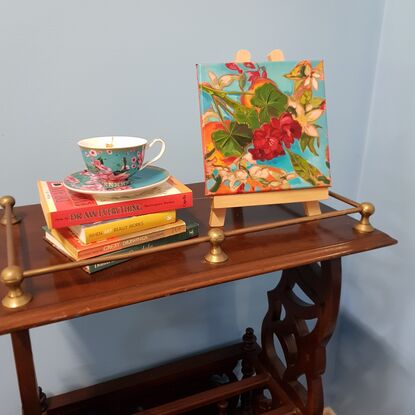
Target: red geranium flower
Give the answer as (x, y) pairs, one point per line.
(289, 129)
(249, 65)
(267, 141)
(253, 76)
(233, 67)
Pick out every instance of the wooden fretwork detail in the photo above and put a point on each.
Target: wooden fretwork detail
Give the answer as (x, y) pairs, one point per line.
(250, 349)
(289, 322)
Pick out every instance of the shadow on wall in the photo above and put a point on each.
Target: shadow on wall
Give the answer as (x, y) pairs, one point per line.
(368, 377)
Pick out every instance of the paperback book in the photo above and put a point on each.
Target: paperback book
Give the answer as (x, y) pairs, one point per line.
(99, 231)
(77, 250)
(191, 231)
(63, 208)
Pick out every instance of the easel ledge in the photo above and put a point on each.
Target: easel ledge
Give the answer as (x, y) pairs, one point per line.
(309, 197)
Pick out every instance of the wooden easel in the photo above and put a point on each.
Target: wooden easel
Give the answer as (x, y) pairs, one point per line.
(309, 197)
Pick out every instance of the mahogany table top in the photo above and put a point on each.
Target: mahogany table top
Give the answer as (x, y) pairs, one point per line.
(69, 294)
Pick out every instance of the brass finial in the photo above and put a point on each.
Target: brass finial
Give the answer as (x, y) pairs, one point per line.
(12, 277)
(216, 254)
(8, 201)
(367, 209)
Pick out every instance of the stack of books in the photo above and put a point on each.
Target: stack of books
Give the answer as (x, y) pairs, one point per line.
(85, 226)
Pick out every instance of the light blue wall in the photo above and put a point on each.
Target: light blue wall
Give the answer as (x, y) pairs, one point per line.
(376, 354)
(82, 68)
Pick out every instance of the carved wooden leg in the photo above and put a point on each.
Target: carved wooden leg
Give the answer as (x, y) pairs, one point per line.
(26, 375)
(302, 327)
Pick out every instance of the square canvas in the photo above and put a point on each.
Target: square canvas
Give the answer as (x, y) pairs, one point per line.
(264, 126)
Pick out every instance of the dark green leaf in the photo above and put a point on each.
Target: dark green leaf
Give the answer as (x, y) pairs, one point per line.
(264, 116)
(311, 146)
(246, 116)
(232, 141)
(210, 153)
(308, 141)
(270, 100)
(304, 142)
(218, 182)
(323, 179)
(304, 169)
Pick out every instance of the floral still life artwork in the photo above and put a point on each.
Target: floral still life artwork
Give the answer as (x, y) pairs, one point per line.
(264, 126)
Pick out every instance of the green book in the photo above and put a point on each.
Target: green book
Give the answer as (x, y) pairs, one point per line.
(192, 230)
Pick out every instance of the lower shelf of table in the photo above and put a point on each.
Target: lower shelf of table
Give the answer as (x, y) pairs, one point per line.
(203, 384)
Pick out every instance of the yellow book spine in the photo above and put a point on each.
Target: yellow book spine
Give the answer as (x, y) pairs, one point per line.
(101, 231)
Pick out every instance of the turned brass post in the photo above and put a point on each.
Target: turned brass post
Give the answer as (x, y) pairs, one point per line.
(367, 209)
(216, 254)
(12, 278)
(5, 202)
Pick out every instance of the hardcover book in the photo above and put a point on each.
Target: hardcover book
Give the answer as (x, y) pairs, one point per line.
(63, 208)
(191, 231)
(264, 126)
(100, 231)
(77, 250)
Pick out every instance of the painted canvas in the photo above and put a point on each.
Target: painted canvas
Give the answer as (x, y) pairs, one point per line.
(264, 126)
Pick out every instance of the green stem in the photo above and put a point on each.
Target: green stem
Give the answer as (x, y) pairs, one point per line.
(218, 109)
(225, 107)
(223, 94)
(239, 92)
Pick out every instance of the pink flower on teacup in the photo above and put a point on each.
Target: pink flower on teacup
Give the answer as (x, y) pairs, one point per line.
(109, 151)
(111, 177)
(139, 158)
(92, 153)
(101, 167)
(133, 159)
(133, 166)
(72, 179)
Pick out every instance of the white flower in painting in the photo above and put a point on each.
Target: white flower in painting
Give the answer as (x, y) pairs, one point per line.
(223, 81)
(258, 172)
(306, 116)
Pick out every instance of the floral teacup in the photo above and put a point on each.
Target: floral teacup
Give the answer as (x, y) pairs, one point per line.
(114, 160)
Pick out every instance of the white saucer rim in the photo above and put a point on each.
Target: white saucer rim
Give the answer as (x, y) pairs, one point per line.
(109, 193)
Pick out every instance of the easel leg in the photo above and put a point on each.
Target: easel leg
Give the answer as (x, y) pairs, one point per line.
(217, 217)
(312, 208)
(26, 375)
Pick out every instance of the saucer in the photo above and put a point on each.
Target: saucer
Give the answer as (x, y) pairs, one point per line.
(87, 183)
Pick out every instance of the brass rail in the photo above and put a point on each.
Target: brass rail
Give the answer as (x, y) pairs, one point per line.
(12, 276)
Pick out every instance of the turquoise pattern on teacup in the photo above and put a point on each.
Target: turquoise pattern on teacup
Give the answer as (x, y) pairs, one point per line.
(114, 167)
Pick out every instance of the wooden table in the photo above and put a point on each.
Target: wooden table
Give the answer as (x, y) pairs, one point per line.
(310, 255)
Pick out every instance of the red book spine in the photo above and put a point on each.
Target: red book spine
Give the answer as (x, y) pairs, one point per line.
(96, 213)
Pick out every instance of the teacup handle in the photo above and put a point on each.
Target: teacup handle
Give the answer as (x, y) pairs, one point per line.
(149, 145)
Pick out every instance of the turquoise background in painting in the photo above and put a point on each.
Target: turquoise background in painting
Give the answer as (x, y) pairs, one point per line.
(80, 69)
(276, 72)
